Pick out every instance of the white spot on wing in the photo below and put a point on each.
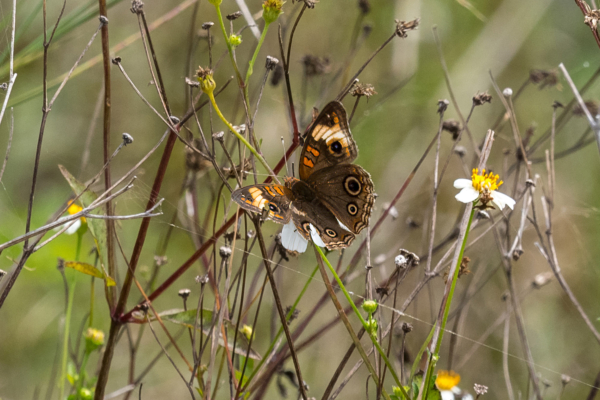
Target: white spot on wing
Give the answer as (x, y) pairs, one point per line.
(342, 225)
(291, 238)
(314, 235)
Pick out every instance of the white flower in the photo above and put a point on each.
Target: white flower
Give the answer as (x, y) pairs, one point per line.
(483, 188)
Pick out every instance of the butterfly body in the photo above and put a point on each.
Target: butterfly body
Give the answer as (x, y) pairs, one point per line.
(333, 199)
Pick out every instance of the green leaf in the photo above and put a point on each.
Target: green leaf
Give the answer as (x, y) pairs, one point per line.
(89, 269)
(187, 318)
(97, 226)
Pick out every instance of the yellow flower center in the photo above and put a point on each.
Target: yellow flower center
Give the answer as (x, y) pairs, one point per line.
(485, 182)
(446, 380)
(74, 209)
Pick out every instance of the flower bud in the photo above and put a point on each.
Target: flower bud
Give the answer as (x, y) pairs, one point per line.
(235, 40)
(94, 338)
(370, 306)
(205, 77)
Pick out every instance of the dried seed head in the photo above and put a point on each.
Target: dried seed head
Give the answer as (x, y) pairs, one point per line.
(184, 293)
(127, 138)
(4, 86)
(542, 279)
(241, 129)
(557, 104)
(402, 27)
(137, 6)
(294, 314)
(461, 151)
(271, 63)
(507, 92)
(103, 20)
(225, 251)
(144, 307)
(406, 327)
(530, 183)
(480, 389)
(364, 6)
(593, 107)
(250, 233)
(382, 291)
(314, 65)
(453, 127)
(517, 253)
(234, 16)
(203, 280)
(60, 264)
(191, 83)
(363, 89)
(159, 261)
(116, 60)
(482, 98)
(207, 25)
(406, 259)
(277, 75)
(310, 3)
(543, 77)
(464, 267)
(442, 105)
(565, 379)
(218, 136)
(174, 119)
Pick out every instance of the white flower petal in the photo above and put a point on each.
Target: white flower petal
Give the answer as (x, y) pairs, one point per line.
(467, 195)
(314, 235)
(447, 395)
(291, 239)
(463, 183)
(500, 199)
(74, 227)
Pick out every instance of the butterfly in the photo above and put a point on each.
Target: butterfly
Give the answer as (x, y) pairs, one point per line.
(333, 199)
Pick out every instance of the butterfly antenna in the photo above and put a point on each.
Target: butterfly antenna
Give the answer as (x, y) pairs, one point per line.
(284, 156)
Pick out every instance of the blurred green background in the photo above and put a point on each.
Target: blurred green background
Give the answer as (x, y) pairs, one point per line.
(392, 131)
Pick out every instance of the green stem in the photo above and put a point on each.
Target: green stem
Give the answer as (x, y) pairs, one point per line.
(239, 136)
(65, 353)
(229, 48)
(289, 314)
(81, 378)
(253, 60)
(438, 345)
(364, 323)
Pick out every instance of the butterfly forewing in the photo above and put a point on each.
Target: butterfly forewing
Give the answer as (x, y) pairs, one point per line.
(328, 142)
(271, 197)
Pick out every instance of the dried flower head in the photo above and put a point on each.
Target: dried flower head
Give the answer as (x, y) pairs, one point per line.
(137, 6)
(203, 280)
(364, 6)
(544, 78)
(184, 293)
(453, 127)
(207, 25)
(406, 259)
(234, 16)
(482, 98)
(314, 65)
(363, 89)
(402, 27)
(294, 314)
(271, 63)
(442, 105)
(480, 389)
(593, 107)
(507, 92)
(225, 251)
(406, 327)
(127, 138)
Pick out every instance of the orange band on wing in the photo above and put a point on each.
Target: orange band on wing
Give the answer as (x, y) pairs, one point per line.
(278, 190)
(313, 151)
(308, 162)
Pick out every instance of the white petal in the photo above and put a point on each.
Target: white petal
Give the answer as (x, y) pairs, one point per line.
(291, 239)
(500, 199)
(467, 195)
(73, 228)
(314, 235)
(463, 183)
(447, 395)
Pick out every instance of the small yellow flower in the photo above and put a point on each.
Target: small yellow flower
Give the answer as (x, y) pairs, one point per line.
(483, 187)
(246, 330)
(94, 338)
(205, 77)
(272, 10)
(235, 40)
(446, 380)
(74, 209)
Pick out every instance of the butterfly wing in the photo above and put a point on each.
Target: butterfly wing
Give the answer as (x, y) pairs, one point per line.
(314, 220)
(329, 142)
(347, 191)
(274, 198)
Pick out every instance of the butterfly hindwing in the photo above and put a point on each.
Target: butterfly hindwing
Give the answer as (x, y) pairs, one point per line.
(323, 222)
(328, 142)
(346, 190)
(274, 198)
